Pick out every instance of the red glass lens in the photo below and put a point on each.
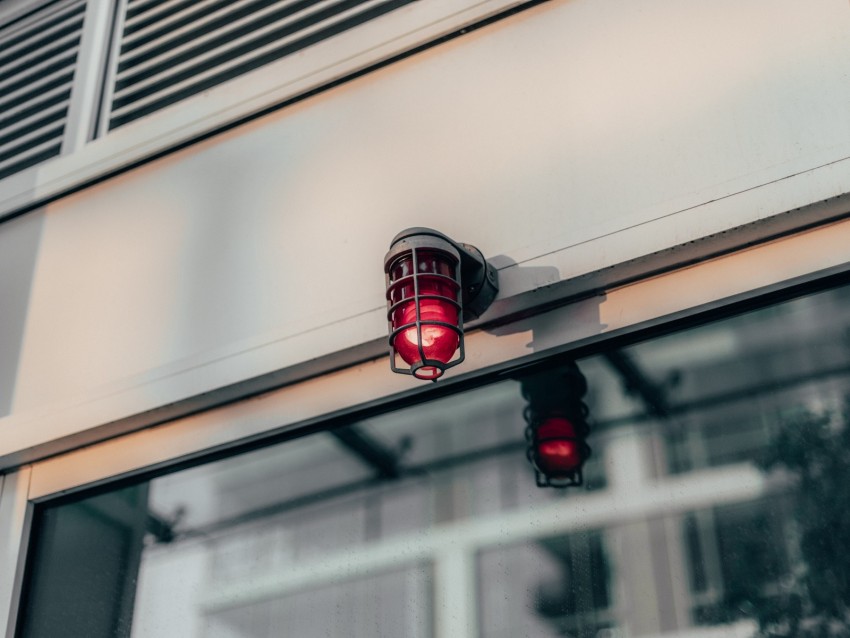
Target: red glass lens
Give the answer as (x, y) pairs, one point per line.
(439, 343)
(559, 450)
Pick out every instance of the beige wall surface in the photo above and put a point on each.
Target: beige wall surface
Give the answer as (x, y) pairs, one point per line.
(563, 140)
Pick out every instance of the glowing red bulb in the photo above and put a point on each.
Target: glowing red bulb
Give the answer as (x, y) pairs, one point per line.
(559, 450)
(437, 303)
(438, 342)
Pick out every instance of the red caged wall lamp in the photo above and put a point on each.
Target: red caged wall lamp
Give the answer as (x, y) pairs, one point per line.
(557, 425)
(434, 284)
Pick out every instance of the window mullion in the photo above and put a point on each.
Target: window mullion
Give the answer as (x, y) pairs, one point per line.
(455, 592)
(87, 88)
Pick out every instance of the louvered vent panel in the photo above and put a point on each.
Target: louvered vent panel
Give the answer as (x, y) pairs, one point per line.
(37, 57)
(172, 49)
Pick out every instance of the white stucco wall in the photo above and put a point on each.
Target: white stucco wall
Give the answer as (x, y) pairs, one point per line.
(565, 139)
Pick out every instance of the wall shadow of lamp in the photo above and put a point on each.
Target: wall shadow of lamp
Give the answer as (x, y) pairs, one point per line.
(557, 425)
(433, 285)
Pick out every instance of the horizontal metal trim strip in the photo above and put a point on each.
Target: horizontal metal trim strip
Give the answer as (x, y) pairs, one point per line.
(41, 37)
(35, 89)
(37, 120)
(31, 140)
(32, 73)
(241, 40)
(46, 101)
(38, 155)
(191, 19)
(20, 65)
(40, 24)
(255, 61)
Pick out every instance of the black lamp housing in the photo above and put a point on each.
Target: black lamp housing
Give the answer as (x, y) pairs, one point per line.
(433, 285)
(557, 426)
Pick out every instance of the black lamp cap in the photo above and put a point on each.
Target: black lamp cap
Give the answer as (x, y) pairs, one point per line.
(479, 280)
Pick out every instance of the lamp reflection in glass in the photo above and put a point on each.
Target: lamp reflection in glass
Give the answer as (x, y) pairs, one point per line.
(557, 427)
(433, 285)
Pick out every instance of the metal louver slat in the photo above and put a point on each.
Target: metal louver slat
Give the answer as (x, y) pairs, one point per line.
(241, 35)
(217, 62)
(137, 7)
(31, 157)
(140, 14)
(198, 45)
(69, 33)
(47, 67)
(187, 19)
(15, 66)
(42, 101)
(36, 88)
(59, 25)
(37, 65)
(201, 20)
(232, 40)
(40, 118)
(30, 140)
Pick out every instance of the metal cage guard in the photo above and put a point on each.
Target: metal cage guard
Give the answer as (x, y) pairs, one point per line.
(415, 278)
(475, 284)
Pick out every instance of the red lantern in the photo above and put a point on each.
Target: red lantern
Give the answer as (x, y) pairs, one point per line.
(433, 284)
(557, 427)
(424, 310)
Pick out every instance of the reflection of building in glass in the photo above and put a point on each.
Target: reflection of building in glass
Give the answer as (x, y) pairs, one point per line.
(430, 515)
